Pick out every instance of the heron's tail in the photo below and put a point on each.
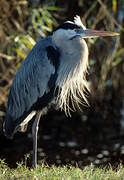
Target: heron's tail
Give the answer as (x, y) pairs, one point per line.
(9, 126)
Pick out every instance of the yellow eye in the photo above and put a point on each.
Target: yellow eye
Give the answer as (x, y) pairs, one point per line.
(76, 30)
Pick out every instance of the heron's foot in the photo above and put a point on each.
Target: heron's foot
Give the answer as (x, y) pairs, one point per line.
(22, 128)
(34, 165)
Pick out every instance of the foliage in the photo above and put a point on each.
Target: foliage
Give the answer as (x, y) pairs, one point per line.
(22, 24)
(25, 24)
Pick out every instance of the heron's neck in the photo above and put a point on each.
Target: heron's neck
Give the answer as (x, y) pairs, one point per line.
(72, 72)
(72, 53)
(73, 60)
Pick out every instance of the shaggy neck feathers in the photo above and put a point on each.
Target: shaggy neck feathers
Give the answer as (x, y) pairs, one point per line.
(72, 72)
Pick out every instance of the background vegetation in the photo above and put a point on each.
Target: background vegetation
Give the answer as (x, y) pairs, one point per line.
(22, 23)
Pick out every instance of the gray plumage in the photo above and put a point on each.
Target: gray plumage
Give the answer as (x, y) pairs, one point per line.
(30, 83)
(53, 72)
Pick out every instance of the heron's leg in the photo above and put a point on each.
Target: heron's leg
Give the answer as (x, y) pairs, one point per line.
(34, 134)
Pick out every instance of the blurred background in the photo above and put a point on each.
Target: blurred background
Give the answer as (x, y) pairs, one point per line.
(97, 133)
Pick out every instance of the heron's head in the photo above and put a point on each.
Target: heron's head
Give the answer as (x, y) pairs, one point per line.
(72, 30)
(69, 38)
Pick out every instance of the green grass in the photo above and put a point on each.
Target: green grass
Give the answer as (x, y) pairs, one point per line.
(44, 172)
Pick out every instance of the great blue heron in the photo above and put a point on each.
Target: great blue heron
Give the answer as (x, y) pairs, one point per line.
(53, 72)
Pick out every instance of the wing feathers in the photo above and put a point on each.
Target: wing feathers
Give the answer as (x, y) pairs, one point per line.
(31, 81)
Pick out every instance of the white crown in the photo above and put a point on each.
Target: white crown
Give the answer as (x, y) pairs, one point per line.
(77, 20)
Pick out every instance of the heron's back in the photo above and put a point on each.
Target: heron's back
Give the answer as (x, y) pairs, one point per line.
(34, 84)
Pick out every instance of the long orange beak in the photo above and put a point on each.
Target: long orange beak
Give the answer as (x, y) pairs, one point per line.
(89, 33)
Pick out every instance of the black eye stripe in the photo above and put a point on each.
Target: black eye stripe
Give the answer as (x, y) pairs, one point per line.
(68, 25)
